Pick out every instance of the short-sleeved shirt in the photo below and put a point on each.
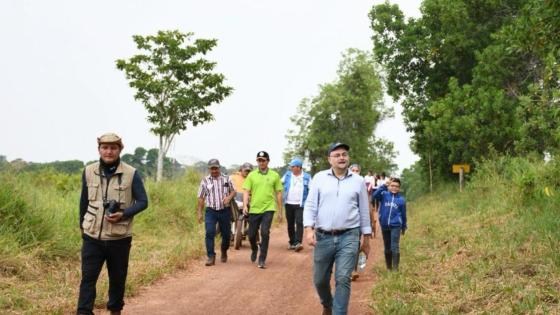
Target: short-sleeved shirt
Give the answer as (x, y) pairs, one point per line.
(263, 188)
(214, 190)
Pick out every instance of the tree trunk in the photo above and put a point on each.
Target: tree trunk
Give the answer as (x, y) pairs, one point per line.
(164, 144)
(161, 155)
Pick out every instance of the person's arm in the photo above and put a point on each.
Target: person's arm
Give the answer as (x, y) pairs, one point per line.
(201, 199)
(363, 208)
(231, 195)
(405, 224)
(246, 190)
(365, 220)
(378, 194)
(199, 207)
(279, 205)
(140, 201)
(83, 199)
(310, 213)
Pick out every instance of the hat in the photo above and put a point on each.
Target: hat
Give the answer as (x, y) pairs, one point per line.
(337, 145)
(247, 166)
(296, 162)
(263, 154)
(213, 163)
(110, 138)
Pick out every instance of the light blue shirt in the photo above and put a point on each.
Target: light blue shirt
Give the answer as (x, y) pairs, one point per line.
(337, 204)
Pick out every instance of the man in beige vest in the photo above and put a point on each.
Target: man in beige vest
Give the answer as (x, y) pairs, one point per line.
(112, 194)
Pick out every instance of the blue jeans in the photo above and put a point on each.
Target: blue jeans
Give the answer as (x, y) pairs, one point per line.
(223, 218)
(391, 239)
(342, 251)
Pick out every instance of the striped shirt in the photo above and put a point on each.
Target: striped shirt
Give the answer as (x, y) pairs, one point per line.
(214, 190)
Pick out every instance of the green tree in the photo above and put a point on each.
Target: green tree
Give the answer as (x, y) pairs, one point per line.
(175, 83)
(347, 110)
(474, 77)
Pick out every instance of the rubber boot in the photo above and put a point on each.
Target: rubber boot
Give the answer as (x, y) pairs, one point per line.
(396, 260)
(389, 260)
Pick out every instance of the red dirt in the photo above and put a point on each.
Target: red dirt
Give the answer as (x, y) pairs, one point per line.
(239, 287)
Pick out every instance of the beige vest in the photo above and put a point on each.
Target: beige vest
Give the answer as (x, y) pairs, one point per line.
(119, 188)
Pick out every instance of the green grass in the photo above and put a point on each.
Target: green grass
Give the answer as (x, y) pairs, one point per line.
(40, 240)
(493, 249)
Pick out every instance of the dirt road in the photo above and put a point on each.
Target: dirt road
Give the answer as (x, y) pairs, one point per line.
(239, 287)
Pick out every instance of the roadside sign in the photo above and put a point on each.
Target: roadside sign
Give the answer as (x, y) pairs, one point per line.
(457, 168)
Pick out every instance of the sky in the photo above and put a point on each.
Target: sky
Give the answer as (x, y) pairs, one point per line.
(60, 89)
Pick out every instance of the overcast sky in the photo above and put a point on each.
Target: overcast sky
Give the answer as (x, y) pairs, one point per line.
(60, 88)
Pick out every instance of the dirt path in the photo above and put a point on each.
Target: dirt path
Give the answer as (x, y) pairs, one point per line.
(239, 287)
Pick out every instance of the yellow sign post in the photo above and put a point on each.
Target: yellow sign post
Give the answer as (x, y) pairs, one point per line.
(461, 169)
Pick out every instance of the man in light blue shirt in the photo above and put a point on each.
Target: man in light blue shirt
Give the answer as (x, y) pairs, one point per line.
(336, 213)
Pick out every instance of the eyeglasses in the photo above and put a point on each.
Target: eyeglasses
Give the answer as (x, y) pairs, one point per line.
(337, 156)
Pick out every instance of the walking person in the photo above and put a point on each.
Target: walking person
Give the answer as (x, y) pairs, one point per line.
(112, 194)
(336, 212)
(296, 188)
(392, 218)
(215, 192)
(265, 189)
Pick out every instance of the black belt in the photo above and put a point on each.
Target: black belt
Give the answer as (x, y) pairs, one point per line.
(333, 232)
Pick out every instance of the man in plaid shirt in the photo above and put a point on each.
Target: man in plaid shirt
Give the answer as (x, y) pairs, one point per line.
(215, 192)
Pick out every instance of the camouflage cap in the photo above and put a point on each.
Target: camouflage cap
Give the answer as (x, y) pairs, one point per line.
(110, 137)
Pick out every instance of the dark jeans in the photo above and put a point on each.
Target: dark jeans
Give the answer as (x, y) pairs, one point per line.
(223, 218)
(391, 239)
(94, 254)
(261, 222)
(294, 217)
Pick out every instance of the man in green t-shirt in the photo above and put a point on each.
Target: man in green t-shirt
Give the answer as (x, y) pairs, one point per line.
(265, 188)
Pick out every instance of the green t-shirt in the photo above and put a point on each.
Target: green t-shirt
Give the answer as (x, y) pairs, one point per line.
(263, 188)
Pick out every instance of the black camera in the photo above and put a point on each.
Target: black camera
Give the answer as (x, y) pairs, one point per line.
(110, 206)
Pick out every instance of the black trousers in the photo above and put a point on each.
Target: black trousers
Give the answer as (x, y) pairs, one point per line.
(261, 222)
(294, 217)
(94, 254)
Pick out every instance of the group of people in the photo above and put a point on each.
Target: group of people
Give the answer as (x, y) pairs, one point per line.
(332, 209)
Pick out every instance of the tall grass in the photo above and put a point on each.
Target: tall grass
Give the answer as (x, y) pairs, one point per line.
(40, 239)
(493, 249)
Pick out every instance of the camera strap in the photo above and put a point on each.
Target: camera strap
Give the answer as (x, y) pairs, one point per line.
(119, 179)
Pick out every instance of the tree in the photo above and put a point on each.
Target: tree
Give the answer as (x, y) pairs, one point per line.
(474, 77)
(347, 110)
(175, 83)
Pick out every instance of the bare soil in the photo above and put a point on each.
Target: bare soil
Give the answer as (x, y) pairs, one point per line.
(239, 287)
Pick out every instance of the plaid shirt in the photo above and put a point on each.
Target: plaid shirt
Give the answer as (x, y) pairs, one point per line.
(214, 190)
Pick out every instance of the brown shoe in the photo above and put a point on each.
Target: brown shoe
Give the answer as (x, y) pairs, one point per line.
(211, 261)
(115, 312)
(327, 311)
(223, 258)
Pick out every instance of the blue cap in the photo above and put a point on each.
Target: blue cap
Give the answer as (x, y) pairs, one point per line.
(296, 162)
(337, 145)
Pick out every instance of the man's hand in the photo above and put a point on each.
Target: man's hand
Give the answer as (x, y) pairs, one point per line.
(114, 217)
(199, 216)
(365, 244)
(310, 236)
(245, 211)
(279, 217)
(402, 231)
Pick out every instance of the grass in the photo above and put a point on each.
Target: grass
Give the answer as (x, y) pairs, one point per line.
(40, 240)
(493, 249)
